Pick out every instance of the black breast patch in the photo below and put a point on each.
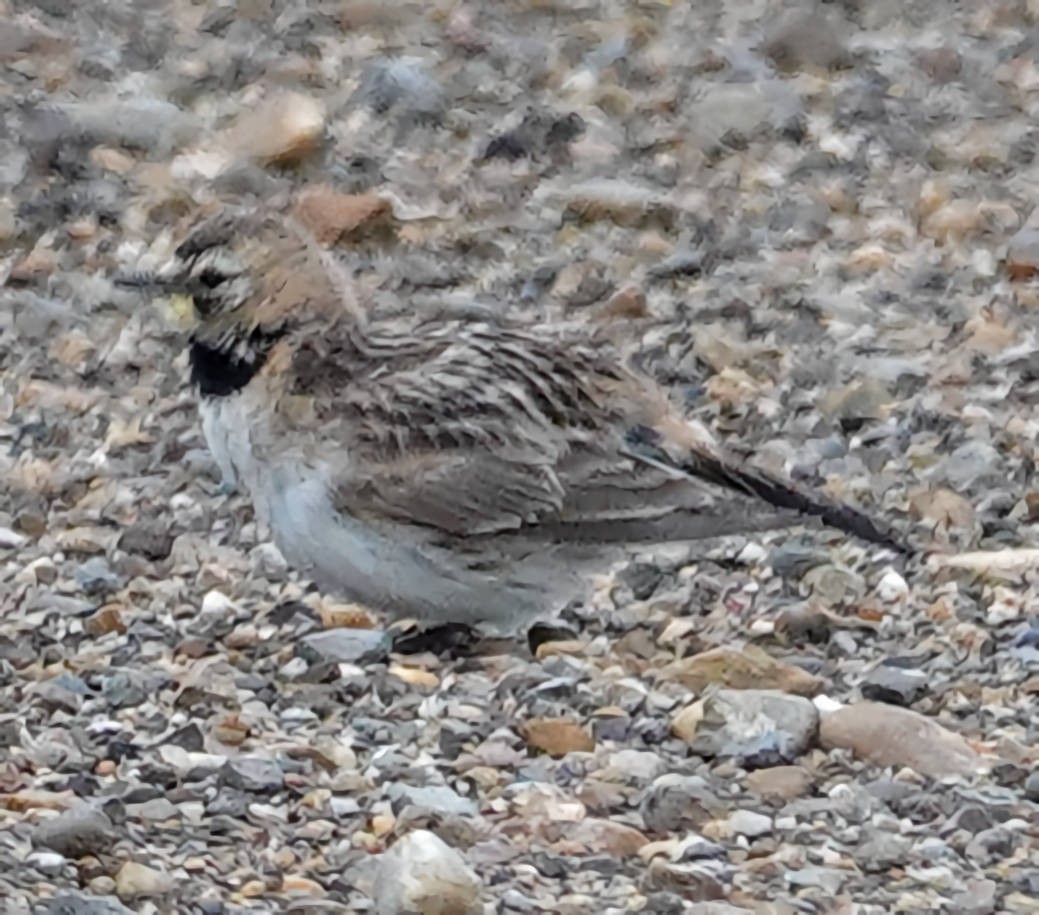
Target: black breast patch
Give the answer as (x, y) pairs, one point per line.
(222, 370)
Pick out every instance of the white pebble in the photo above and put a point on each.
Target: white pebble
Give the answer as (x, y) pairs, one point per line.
(892, 587)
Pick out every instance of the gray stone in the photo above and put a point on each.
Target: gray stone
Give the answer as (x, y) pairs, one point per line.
(252, 773)
(74, 903)
(95, 576)
(437, 798)
(825, 878)
(881, 851)
(759, 727)
(749, 823)
(345, 645)
(1032, 786)
(402, 84)
(805, 39)
(894, 685)
(733, 114)
(636, 765)
(77, 832)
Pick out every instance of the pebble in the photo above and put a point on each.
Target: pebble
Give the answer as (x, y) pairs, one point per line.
(782, 783)
(437, 798)
(134, 881)
(75, 903)
(741, 669)
(756, 727)
(801, 40)
(345, 645)
(423, 875)
(750, 824)
(330, 214)
(1023, 253)
(895, 685)
(404, 85)
(557, 736)
(882, 851)
(253, 773)
(890, 736)
(283, 130)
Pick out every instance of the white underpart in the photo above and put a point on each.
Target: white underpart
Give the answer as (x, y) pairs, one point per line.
(226, 428)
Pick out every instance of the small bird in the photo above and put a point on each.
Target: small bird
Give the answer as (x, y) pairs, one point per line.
(448, 470)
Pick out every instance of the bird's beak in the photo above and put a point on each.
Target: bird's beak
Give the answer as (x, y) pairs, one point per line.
(169, 283)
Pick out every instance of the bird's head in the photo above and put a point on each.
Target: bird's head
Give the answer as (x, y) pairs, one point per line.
(242, 270)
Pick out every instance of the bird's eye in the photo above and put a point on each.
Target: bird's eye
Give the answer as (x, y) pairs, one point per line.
(211, 278)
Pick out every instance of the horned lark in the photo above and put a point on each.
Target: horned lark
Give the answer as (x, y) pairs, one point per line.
(446, 470)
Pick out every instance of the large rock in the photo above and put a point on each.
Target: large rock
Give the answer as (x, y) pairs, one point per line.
(422, 875)
(759, 727)
(891, 736)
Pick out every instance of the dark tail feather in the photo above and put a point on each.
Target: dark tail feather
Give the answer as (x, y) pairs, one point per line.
(784, 495)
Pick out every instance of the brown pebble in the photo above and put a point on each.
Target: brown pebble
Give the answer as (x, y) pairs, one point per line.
(780, 782)
(557, 736)
(941, 64)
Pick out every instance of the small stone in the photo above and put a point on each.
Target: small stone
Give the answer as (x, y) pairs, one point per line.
(629, 304)
(345, 645)
(107, 619)
(781, 783)
(1032, 786)
(422, 874)
(76, 832)
(330, 214)
(135, 121)
(11, 540)
(802, 40)
(636, 765)
(615, 200)
(253, 773)
(598, 836)
(47, 862)
(747, 668)
(895, 685)
(436, 798)
(75, 903)
(890, 736)
(802, 624)
(892, 587)
(882, 851)
(825, 878)
(730, 115)
(150, 538)
(757, 727)
(557, 736)
(1023, 253)
(282, 131)
(977, 898)
(942, 64)
(750, 824)
(136, 880)
(404, 85)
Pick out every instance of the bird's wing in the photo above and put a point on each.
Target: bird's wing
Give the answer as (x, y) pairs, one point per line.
(485, 430)
(477, 429)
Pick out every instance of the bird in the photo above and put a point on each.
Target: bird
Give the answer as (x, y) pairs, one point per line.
(450, 470)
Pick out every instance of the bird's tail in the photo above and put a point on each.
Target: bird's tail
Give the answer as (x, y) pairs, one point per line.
(785, 495)
(699, 459)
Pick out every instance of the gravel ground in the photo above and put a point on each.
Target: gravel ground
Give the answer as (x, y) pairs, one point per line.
(816, 223)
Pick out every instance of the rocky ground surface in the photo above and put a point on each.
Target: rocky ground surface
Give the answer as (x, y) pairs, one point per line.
(815, 221)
